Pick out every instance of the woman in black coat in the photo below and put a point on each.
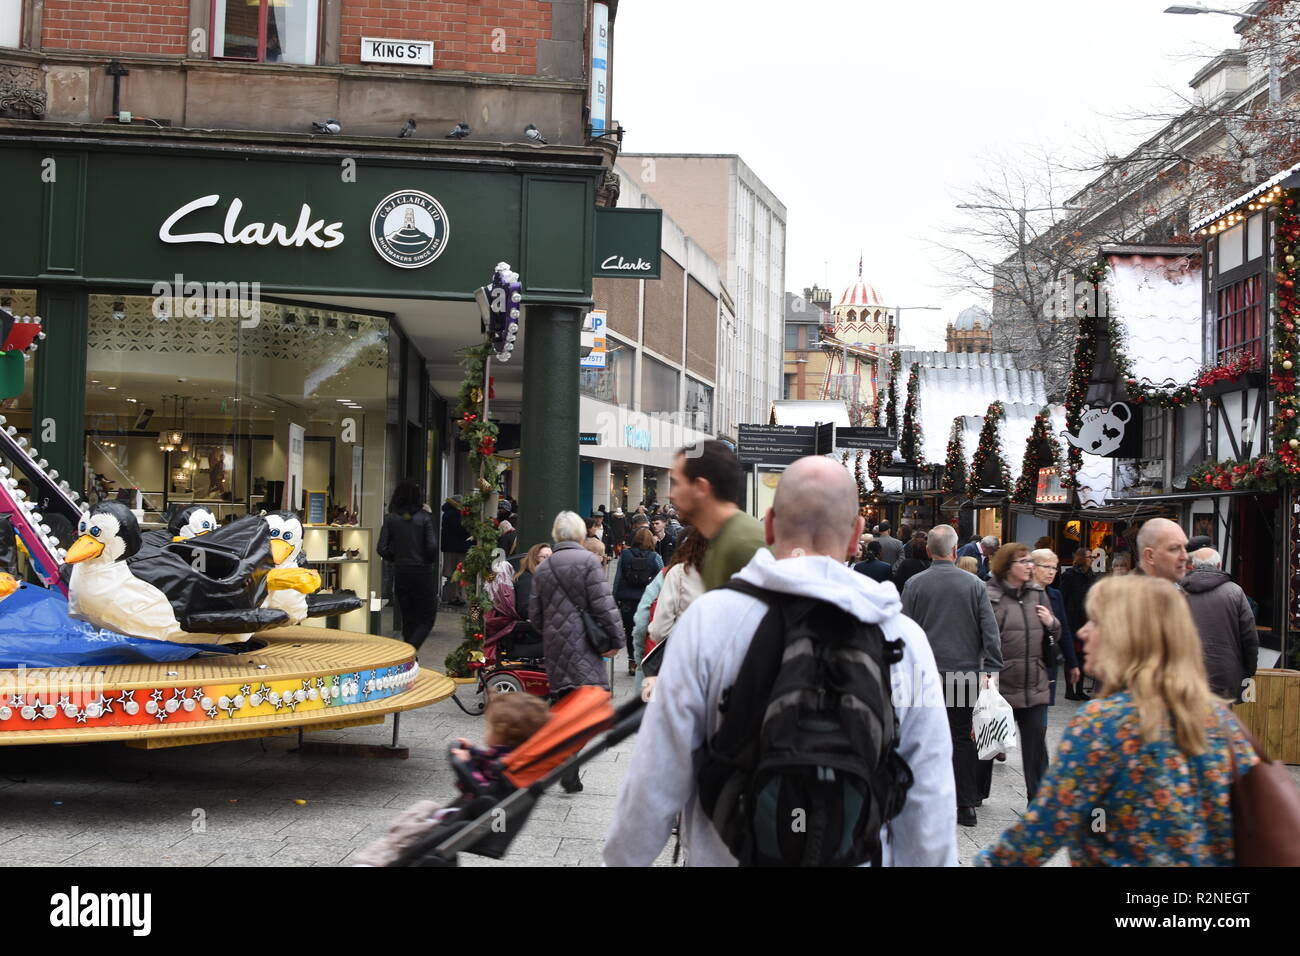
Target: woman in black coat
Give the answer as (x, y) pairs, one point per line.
(409, 541)
(1074, 584)
(914, 562)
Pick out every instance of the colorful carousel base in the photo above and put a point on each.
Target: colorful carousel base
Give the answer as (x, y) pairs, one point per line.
(305, 678)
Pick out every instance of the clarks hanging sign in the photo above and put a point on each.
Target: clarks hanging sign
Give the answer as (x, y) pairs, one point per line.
(627, 243)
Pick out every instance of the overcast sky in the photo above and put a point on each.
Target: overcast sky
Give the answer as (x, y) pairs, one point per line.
(868, 117)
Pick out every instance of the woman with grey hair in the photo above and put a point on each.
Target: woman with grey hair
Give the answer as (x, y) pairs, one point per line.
(570, 582)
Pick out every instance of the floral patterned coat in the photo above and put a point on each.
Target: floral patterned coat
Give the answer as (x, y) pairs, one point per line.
(1112, 800)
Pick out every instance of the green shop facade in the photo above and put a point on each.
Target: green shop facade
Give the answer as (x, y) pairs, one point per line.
(237, 321)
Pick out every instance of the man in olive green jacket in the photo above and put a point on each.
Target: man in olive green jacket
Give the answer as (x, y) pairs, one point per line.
(707, 481)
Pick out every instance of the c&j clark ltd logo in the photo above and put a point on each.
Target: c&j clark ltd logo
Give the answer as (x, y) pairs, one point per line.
(409, 229)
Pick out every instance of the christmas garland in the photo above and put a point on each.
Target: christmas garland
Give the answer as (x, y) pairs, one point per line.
(881, 458)
(954, 468)
(861, 480)
(1286, 433)
(475, 571)
(1258, 474)
(988, 446)
(876, 458)
(1040, 435)
(911, 446)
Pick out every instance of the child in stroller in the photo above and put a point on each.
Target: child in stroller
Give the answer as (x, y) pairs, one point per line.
(511, 719)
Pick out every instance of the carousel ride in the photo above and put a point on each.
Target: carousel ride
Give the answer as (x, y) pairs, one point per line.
(190, 634)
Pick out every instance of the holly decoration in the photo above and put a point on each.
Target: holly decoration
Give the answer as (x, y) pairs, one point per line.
(861, 480)
(989, 449)
(1040, 439)
(954, 467)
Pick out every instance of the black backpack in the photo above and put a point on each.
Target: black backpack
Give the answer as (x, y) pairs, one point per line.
(805, 769)
(639, 569)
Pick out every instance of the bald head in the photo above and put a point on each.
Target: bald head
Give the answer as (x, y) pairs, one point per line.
(1162, 549)
(815, 509)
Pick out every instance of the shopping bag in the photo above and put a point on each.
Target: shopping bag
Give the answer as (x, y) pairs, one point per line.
(994, 725)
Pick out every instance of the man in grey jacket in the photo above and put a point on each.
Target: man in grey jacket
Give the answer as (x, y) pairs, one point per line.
(1224, 620)
(952, 607)
(813, 526)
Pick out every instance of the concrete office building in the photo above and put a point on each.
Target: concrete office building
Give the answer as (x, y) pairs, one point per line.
(720, 202)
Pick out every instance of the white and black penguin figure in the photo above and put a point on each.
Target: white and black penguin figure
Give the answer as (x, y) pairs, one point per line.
(192, 522)
(165, 594)
(302, 600)
(286, 550)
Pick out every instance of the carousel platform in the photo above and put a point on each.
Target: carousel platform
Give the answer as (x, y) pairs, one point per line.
(303, 679)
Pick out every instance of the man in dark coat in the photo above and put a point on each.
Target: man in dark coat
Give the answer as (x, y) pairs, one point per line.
(1224, 620)
(873, 567)
(455, 545)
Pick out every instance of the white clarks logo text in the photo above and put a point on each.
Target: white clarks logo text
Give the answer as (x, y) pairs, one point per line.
(75, 908)
(316, 232)
(618, 262)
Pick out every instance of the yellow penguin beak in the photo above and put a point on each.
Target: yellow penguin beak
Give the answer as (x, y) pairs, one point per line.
(84, 548)
(280, 550)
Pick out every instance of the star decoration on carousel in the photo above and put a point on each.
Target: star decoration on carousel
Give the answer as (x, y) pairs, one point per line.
(105, 704)
(264, 690)
(156, 695)
(17, 700)
(246, 690)
(212, 713)
(64, 701)
(162, 714)
(81, 716)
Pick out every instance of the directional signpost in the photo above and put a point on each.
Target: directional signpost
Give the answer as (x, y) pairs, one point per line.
(775, 444)
(870, 439)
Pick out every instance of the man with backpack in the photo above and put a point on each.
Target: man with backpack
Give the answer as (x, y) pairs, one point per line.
(859, 774)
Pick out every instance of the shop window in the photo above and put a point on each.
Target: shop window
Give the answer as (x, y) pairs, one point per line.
(1254, 237)
(1240, 318)
(11, 21)
(267, 31)
(699, 403)
(1231, 251)
(615, 382)
(659, 389)
(243, 405)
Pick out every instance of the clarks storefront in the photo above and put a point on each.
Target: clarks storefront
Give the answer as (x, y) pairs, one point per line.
(241, 327)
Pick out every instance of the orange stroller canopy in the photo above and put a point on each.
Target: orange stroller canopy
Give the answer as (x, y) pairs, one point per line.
(580, 716)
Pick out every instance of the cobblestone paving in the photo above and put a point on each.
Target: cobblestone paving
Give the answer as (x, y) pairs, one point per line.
(236, 804)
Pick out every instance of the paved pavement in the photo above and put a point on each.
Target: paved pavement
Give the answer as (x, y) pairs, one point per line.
(238, 804)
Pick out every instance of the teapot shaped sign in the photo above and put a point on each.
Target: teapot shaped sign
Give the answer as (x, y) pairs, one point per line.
(1114, 432)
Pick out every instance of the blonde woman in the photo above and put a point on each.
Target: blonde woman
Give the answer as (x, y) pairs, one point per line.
(1143, 775)
(967, 563)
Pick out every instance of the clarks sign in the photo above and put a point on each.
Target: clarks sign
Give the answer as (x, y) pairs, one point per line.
(315, 232)
(408, 228)
(627, 243)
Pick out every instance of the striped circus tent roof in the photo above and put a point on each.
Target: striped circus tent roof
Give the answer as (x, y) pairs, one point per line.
(859, 294)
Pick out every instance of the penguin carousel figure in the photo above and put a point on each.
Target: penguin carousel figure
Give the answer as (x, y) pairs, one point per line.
(204, 589)
(185, 524)
(301, 596)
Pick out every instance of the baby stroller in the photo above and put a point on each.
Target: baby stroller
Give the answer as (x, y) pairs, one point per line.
(514, 666)
(487, 821)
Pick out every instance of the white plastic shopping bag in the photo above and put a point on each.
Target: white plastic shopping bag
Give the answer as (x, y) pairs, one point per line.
(994, 725)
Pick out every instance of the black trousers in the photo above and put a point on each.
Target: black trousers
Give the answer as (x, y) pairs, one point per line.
(571, 778)
(960, 692)
(628, 610)
(415, 592)
(1031, 724)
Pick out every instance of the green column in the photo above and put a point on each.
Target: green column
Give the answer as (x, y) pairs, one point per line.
(59, 422)
(549, 441)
